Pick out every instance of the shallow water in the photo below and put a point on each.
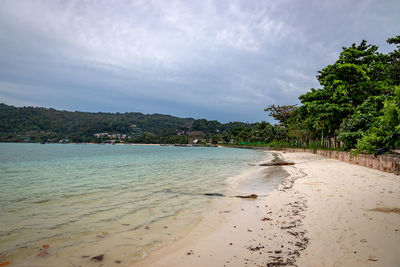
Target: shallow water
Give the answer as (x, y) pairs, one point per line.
(122, 200)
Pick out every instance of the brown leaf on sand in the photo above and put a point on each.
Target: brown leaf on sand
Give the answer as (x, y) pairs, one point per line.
(98, 258)
(387, 210)
(373, 258)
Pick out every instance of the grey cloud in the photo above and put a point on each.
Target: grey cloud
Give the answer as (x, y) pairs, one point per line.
(222, 60)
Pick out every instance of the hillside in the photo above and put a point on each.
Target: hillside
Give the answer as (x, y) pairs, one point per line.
(41, 124)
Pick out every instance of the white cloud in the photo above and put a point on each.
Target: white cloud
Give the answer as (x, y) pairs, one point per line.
(295, 74)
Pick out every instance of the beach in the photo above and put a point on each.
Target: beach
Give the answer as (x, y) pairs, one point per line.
(325, 213)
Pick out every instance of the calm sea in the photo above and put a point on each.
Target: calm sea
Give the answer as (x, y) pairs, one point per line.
(121, 200)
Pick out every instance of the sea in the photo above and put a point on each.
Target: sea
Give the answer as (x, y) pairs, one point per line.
(63, 204)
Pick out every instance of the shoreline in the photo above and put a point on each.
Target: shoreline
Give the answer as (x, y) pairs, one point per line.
(383, 162)
(326, 213)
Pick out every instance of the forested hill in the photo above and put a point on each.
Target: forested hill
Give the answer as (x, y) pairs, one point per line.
(41, 124)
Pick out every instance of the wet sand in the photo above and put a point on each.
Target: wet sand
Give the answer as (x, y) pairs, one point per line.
(326, 213)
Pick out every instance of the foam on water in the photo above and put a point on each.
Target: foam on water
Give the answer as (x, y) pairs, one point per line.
(125, 201)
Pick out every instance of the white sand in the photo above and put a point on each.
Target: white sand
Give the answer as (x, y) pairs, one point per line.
(325, 219)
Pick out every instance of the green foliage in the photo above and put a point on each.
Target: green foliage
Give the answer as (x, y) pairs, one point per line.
(393, 59)
(281, 113)
(176, 139)
(262, 132)
(362, 119)
(217, 139)
(147, 138)
(358, 74)
(357, 104)
(385, 130)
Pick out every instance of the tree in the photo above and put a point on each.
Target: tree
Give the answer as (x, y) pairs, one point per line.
(262, 132)
(393, 69)
(385, 131)
(360, 72)
(216, 139)
(281, 113)
(354, 127)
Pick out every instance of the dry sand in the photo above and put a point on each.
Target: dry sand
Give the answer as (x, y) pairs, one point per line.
(327, 213)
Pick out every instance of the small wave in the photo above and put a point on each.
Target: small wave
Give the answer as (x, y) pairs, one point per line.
(29, 242)
(152, 221)
(170, 191)
(11, 232)
(41, 201)
(22, 199)
(95, 212)
(62, 224)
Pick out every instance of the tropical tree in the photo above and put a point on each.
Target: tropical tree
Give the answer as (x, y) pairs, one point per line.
(281, 113)
(354, 127)
(359, 73)
(385, 130)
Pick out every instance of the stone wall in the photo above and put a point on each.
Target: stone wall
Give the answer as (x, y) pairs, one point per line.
(387, 163)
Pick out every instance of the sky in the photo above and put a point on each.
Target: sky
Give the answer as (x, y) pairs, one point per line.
(218, 60)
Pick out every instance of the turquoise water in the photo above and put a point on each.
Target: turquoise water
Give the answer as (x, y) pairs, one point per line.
(79, 198)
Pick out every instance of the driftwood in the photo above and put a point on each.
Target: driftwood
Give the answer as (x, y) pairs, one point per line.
(214, 194)
(221, 195)
(249, 196)
(278, 163)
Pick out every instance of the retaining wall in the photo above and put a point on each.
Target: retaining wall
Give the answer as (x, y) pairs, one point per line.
(387, 163)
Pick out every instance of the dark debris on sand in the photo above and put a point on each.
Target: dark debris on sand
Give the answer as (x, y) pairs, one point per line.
(288, 226)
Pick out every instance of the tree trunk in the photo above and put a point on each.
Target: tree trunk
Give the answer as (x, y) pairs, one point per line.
(322, 139)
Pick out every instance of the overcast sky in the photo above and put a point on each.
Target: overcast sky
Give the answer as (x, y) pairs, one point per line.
(223, 60)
